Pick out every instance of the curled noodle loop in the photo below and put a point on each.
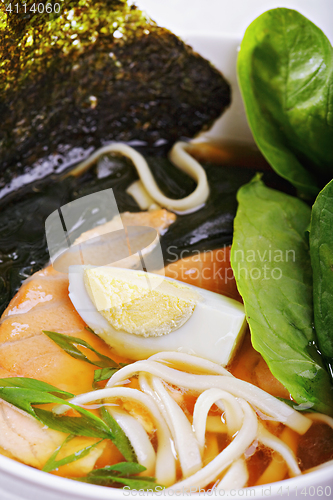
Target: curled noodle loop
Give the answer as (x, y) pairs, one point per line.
(164, 379)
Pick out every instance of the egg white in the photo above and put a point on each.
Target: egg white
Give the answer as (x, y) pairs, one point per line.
(213, 331)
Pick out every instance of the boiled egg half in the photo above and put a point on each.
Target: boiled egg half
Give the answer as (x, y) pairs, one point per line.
(139, 314)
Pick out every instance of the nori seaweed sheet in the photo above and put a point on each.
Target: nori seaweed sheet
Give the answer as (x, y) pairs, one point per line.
(99, 71)
(23, 248)
(148, 87)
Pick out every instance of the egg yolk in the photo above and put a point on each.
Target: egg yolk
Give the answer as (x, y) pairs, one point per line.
(138, 303)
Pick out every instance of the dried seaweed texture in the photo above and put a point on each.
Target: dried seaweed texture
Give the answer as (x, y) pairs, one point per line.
(23, 248)
(99, 71)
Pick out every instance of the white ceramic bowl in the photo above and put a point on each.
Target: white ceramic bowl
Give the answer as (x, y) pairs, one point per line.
(20, 482)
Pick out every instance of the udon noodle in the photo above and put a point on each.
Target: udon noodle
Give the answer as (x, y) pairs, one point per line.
(243, 413)
(147, 184)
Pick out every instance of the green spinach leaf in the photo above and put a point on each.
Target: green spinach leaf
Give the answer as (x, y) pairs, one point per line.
(285, 72)
(295, 406)
(321, 250)
(271, 262)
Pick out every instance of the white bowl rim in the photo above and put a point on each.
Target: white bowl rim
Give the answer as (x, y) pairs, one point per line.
(60, 484)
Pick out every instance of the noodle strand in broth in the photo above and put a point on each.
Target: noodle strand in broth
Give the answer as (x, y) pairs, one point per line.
(161, 388)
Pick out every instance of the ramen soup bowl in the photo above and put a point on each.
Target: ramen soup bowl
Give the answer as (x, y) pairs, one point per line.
(21, 482)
